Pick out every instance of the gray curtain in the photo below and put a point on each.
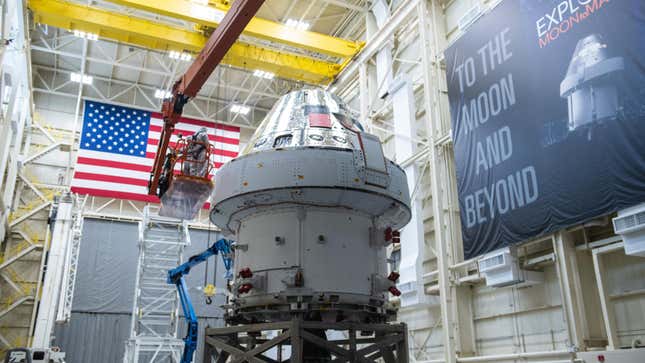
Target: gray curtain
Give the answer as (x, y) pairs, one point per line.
(103, 298)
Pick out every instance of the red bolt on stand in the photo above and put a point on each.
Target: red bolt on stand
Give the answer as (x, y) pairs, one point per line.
(394, 291)
(244, 288)
(388, 234)
(396, 237)
(393, 276)
(246, 273)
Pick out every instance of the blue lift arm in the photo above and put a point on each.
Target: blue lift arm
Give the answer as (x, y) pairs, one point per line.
(176, 277)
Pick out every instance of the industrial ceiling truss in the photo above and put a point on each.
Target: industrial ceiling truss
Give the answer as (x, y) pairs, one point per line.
(310, 57)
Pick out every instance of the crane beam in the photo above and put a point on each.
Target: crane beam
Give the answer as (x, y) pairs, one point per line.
(211, 15)
(154, 35)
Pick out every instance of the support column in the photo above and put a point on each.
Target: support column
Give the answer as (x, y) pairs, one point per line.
(364, 96)
(25, 233)
(384, 70)
(15, 64)
(431, 93)
(412, 236)
(606, 304)
(77, 115)
(52, 286)
(571, 287)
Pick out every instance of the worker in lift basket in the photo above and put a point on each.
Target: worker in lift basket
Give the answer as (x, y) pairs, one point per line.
(196, 163)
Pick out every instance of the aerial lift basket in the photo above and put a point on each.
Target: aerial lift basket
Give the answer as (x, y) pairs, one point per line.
(189, 188)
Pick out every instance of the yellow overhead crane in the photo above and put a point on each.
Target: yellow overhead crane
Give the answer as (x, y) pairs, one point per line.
(212, 14)
(155, 35)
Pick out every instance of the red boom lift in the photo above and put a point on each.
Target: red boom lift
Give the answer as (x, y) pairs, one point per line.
(182, 195)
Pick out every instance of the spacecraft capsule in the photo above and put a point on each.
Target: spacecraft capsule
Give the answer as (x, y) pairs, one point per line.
(590, 85)
(309, 201)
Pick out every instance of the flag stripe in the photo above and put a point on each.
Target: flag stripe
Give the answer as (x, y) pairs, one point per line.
(215, 151)
(150, 155)
(154, 140)
(157, 126)
(191, 121)
(228, 138)
(104, 174)
(117, 195)
(83, 169)
(110, 178)
(111, 186)
(119, 172)
(114, 164)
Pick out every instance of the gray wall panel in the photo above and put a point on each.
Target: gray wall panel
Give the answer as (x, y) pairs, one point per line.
(100, 337)
(94, 337)
(106, 267)
(104, 293)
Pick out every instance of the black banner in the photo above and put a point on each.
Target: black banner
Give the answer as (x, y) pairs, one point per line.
(547, 100)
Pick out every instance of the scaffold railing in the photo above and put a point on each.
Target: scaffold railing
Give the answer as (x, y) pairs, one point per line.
(153, 334)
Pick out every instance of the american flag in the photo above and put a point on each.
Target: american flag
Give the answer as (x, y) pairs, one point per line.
(118, 146)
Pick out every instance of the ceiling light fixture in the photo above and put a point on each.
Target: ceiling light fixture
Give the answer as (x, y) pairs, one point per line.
(263, 74)
(298, 24)
(241, 109)
(159, 93)
(180, 55)
(78, 78)
(85, 35)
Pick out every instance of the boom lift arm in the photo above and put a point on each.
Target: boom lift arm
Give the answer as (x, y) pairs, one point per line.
(176, 277)
(192, 81)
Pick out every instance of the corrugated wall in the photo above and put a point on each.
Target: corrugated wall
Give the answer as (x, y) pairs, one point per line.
(103, 298)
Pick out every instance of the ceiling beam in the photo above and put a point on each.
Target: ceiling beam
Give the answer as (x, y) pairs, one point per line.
(158, 72)
(347, 5)
(148, 87)
(378, 41)
(148, 34)
(138, 106)
(259, 28)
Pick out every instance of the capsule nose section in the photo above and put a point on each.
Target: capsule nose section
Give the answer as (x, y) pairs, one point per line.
(185, 197)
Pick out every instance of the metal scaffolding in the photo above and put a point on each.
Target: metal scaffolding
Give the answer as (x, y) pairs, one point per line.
(64, 311)
(153, 334)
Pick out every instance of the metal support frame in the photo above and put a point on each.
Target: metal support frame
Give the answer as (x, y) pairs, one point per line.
(64, 312)
(571, 290)
(24, 207)
(153, 330)
(420, 16)
(61, 239)
(257, 27)
(412, 235)
(433, 116)
(606, 304)
(137, 95)
(155, 35)
(259, 343)
(385, 33)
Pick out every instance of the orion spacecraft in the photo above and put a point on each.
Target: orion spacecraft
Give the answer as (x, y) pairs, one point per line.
(312, 203)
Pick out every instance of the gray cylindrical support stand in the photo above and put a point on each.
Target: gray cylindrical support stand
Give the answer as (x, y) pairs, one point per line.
(351, 342)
